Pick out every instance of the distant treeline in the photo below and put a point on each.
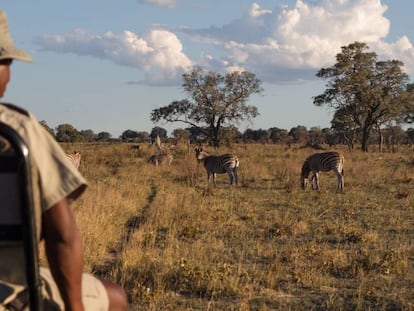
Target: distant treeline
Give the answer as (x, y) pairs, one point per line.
(390, 136)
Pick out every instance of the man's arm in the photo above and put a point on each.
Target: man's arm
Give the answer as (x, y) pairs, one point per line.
(64, 253)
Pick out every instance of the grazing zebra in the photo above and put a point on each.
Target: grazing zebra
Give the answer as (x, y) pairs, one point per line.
(226, 163)
(75, 158)
(162, 158)
(324, 162)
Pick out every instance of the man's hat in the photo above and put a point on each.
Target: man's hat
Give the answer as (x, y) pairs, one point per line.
(7, 48)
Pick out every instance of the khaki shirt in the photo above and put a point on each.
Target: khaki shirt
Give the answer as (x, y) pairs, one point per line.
(54, 177)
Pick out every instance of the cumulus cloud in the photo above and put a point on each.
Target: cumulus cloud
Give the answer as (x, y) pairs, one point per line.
(256, 10)
(160, 3)
(158, 53)
(293, 42)
(279, 44)
(402, 50)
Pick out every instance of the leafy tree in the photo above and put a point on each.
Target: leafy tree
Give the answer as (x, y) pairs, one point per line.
(248, 135)
(278, 136)
(365, 92)
(262, 136)
(181, 134)
(143, 137)
(197, 135)
(87, 135)
(410, 135)
(230, 135)
(103, 136)
(129, 135)
(332, 137)
(343, 123)
(67, 133)
(299, 134)
(256, 135)
(408, 115)
(217, 101)
(394, 135)
(316, 136)
(161, 132)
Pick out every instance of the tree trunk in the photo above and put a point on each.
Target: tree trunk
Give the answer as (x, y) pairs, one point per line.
(365, 138)
(381, 141)
(215, 136)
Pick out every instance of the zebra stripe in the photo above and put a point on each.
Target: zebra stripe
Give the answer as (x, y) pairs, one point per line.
(324, 162)
(158, 159)
(75, 158)
(226, 163)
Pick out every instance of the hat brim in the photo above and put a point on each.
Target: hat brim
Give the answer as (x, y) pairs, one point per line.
(17, 54)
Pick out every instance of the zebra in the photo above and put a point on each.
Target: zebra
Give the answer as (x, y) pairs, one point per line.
(324, 162)
(162, 158)
(75, 158)
(226, 163)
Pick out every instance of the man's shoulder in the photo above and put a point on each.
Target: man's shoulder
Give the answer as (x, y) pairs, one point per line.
(16, 108)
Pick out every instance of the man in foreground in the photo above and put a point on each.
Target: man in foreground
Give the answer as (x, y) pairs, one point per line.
(56, 183)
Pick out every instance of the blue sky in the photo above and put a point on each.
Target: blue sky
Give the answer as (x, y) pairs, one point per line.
(105, 65)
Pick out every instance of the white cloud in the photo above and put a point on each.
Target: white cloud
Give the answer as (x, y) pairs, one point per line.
(280, 44)
(402, 50)
(158, 53)
(256, 10)
(160, 3)
(294, 42)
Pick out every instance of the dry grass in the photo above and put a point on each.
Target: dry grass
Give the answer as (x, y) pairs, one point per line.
(177, 244)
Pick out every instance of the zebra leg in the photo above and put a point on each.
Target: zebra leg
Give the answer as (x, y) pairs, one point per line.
(340, 181)
(315, 181)
(231, 175)
(304, 183)
(236, 177)
(214, 180)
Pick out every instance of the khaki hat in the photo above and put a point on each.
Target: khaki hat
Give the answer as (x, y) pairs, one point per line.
(7, 48)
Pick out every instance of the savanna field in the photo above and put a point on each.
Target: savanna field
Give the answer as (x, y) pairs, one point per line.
(175, 243)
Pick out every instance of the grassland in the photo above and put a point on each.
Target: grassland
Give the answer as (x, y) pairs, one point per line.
(175, 243)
